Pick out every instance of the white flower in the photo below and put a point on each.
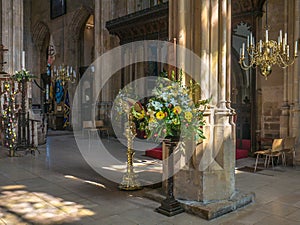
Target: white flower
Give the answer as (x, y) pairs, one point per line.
(156, 105)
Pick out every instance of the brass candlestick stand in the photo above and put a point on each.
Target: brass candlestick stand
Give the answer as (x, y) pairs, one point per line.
(129, 182)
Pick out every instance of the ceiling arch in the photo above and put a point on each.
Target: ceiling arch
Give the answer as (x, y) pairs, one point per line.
(246, 11)
(240, 7)
(39, 33)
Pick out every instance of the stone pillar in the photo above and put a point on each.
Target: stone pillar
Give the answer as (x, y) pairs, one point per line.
(12, 34)
(103, 42)
(294, 10)
(291, 80)
(211, 175)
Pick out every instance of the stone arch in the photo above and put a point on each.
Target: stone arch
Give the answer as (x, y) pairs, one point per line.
(40, 32)
(78, 20)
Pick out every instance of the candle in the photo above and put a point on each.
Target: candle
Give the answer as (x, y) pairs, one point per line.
(280, 36)
(23, 60)
(47, 92)
(260, 46)
(288, 51)
(296, 48)
(251, 39)
(267, 36)
(243, 50)
(248, 42)
(175, 54)
(285, 38)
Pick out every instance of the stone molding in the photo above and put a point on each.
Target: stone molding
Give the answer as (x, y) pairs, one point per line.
(78, 19)
(150, 23)
(39, 32)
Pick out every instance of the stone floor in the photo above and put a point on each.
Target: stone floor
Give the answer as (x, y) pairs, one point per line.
(58, 186)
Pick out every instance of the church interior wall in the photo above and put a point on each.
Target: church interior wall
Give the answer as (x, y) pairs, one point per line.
(272, 86)
(69, 32)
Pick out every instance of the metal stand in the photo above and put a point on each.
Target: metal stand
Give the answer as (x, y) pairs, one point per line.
(170, 206)
(129, 182)
(23, 124)
(33, 148)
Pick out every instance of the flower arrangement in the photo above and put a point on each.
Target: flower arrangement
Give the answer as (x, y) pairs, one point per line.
(124, 101)
(22, 74)
(171, 112)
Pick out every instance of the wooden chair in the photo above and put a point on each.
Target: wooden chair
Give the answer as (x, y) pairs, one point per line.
(289, 148)
(101, 127)
(91, 129)
(275, 151)
(86, 126)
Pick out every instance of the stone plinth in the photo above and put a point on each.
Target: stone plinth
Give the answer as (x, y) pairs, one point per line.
(205, 173)
(210, 210)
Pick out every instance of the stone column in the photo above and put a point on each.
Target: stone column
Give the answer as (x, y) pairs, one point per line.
(12, 33)
(295, 109)
(203, 27)
(103, 42)
(284, 118)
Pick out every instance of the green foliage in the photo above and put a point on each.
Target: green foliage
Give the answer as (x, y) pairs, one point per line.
(23, 74)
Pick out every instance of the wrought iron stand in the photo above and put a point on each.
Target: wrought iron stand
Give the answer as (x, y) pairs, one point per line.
(23, 124)
(170, 206)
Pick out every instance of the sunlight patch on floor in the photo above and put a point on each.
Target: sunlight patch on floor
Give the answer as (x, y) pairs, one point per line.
(37, 207)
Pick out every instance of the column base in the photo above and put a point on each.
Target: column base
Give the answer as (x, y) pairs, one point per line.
(210, 210)
(170, 207)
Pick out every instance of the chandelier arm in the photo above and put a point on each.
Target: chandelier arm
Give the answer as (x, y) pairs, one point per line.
(244, 66)
(282, 63)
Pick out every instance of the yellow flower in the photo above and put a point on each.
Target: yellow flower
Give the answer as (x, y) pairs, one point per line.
(176, 121)
(141, 115)
(152, 120)
(177, 110)
(160, 115)
(188, 116)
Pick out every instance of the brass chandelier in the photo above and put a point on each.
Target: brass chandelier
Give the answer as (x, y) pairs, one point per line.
(64, 73)
(265, 54)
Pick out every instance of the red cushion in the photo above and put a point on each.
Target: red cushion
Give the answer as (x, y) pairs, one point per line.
(238, 143)
(241, 153)
(154, 153)
(246, 144)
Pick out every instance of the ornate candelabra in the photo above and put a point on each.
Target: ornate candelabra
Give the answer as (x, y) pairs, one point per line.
(9, 110)
(129, 182)
(64, 73)
(265, 54)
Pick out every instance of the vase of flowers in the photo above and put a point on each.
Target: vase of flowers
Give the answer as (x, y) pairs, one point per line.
(171, 112)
